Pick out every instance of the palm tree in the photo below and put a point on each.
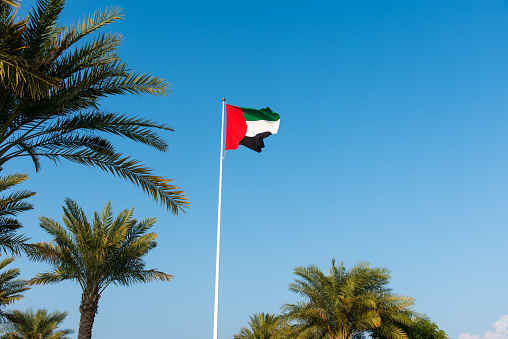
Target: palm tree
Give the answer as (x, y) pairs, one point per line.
(36, 325)
(11, 289)
(51, 81)
(346, 304)
(261, 326)
(96, 255)
(10, 206)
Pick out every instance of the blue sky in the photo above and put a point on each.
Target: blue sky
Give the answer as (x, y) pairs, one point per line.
(392, 149)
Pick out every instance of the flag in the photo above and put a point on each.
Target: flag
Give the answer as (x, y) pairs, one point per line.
(248, 126)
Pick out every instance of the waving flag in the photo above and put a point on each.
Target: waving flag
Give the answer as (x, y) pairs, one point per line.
(248, 126)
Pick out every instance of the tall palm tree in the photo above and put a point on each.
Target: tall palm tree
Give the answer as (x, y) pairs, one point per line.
(95, 255)
(52, 79)
(10, 206)
(11, 289)
(346, 303)
(36, 325)
(261, 326)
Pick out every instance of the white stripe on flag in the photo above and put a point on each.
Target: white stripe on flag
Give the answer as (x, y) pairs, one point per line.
(259, 126)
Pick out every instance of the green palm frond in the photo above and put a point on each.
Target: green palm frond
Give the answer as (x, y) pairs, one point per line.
(140, 130)
(40, 324)
(12, 243)
(49, 278)
(45, 252)
(145, 276)
(12, 204)
(100, 51)
(97, 20)
(42, 28)
(158, 188)
(10, 180)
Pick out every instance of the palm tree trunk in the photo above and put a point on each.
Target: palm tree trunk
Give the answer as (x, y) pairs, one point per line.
(88, 309)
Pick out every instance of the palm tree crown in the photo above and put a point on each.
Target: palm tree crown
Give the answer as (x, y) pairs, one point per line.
(261, 326)
(51, 83)
(346, 303)
(107, 251)
(36, 325)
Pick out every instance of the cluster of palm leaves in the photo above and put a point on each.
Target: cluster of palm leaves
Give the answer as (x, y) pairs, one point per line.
(35, 325)
(52, 79)
(262, 326)
(345, 304)
(108, 250)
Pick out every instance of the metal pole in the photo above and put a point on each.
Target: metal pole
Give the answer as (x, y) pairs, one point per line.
(216, 304)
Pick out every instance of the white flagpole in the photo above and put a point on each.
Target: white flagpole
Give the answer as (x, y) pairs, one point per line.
(216, 304)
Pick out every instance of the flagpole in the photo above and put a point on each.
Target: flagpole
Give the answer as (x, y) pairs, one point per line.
(217, 257)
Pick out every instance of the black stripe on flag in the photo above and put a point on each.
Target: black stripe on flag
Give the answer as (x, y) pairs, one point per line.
(255, 143)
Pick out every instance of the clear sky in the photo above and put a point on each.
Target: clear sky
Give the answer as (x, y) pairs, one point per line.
(392, 148)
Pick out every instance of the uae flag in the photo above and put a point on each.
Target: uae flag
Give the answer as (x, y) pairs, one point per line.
(248, 126)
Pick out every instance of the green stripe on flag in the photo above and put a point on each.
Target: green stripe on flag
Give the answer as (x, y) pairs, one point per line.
(267, 114)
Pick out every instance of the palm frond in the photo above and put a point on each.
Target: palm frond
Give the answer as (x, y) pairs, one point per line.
(144, 277)
(42, 26)
(108, 252)
(10, 180)
(94, 22)
(18, 74)
(14, 244)
(159, 188)
(48, 278)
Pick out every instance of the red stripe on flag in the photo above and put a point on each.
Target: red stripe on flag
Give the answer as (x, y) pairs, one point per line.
(236, 127)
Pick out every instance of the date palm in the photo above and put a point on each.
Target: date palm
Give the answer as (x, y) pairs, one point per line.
(36, 325)
(346, 304)
(52, 79)
(95, 255)
(261, 326)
